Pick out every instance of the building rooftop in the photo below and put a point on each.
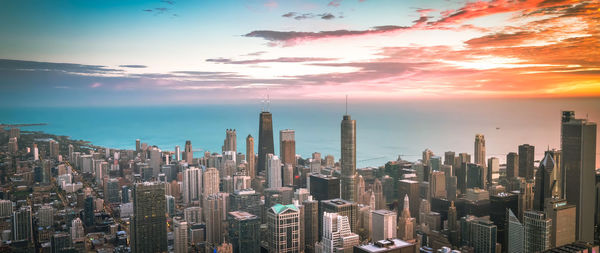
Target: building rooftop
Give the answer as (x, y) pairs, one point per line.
(241, 215)
(279, 208)
(385, 245)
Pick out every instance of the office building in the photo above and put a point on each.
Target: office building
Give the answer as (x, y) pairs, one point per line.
(390, 245)
(337, 236)
(246, 200)
(45, 216)
(192, 185)
(525, 197)
(480, 150)
(543, 182)
(348, 160)
(60, 242)
(493, 170)
(563, 219)
(22, 225)
(214, 207)
(180, 233)
(437, 184)
(210, 181)
(427, 154)
(244, 232)
(526, 158)
(476, 176)
(341, 207)
(410, 188)
(483, 236)
(188, 153)
(283, 229)
(192, 214)
(148, 224)
(287, 147)
(378, 194)
(406, 223)
(274, 178)
(557, 190)
(578, 145)
(77, 231)
(250, 157)
(265, 140)
(384, 224)
(311, 223)
(537, 231)
(230, 143)
(499, 203)
(515, 234)
(512, 165)
(324, 187)
(449, 158)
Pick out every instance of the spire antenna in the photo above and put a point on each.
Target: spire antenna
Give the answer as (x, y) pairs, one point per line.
(346, 104)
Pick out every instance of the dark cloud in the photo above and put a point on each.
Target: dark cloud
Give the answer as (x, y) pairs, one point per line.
(302, 16)
(277, 36)
(133, 66)
(147, 10)
(280, 60)
(19, 65)
(168, 2)
(327, 16)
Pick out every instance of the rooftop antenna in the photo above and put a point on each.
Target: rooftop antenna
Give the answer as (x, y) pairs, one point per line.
(268, 102)
(262, 105)
(346, 104)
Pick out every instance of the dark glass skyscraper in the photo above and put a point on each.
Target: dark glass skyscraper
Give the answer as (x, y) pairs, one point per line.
(543, 182)
(244, 231)
(265, 140)
(348, 150)
(578, 145)
(149, 223)
(526, 158)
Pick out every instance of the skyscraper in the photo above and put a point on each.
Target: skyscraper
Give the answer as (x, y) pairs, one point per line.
(265, 140)
(244, 232)
(516, 234)
(348, 161)
(273, 171)
(287, 147)
(557, 190)
(342, 207)
(449, 158)
(230, 143)
(324, 187)
(578, 145)
(525, 198)
(210, 181)
(337, 236)
(192, 184)
(543, 182)
(406, 223)
(149, 223)
(437, 184)
(188, 153)
(214, 207)
(526, 158)
(480, 150)
(483, 236)
(22, 225)
(537, 231)
(512, 165)
(384, 224)
(177, 153)
(283, 229)
(563, 219)
(311, 224)
(180, 232)
(493, 169)
(251, 166)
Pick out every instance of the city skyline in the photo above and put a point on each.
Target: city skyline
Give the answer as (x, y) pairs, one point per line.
(181, 52)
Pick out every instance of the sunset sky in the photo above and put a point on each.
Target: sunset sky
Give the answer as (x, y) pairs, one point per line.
(180, 52)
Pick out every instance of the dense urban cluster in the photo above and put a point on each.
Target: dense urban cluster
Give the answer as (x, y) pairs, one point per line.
(61, 195)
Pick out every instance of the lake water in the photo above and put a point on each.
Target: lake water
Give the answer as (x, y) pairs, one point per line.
(384, 129)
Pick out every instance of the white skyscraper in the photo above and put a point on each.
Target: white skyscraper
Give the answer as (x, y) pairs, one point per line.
(77, 232)
(181, 235)
(177, 153)
(336, 233)
(273, 171)
(210, 181)
(192, 184)
(384, 224)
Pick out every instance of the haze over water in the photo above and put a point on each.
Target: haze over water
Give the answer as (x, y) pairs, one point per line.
(384, 129)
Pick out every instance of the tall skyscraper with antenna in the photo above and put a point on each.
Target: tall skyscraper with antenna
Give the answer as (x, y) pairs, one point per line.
(251, 167)
(348, 162)
(265, 137)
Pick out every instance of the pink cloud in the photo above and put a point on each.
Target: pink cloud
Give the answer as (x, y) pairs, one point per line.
(95, 85)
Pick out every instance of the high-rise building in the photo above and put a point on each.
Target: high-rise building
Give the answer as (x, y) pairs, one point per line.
(88, 211)
(251, 163)
(384, 224)
(512, 165)
(499, 203)
(45, 216)
(210, 181)
(230, 143)
(437, 184)
(543, 182)
(311, 224)
(6, 208)
(378, 194)
(480, 150)
(192, 214)
(563, 219)
(526, 158)
(493, 170)
(54, 149)
(557, 190)
(287, 147)
(214, 207)
(112, 191)
(337, 236)
(348, 160)
(578, 145)
(180, 234)
(138, 147)
(453, 223)
(22, 225)
(246, 200)
(77, 231)
(525, 198)
(515, 234)
(60, 242)
(188, 153)
(192, 184)
(283, 228)
(274, 171)
(323, 187)
(170, 205)
(265, 140)
(410, 188)
(177, 153)
(476, 176)
(483, 236)
(427, 154)
(449, 158)
(537, 231)
(342, 207)
(406, 223)
(149, 223)
(244, 231)
(391, 245)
